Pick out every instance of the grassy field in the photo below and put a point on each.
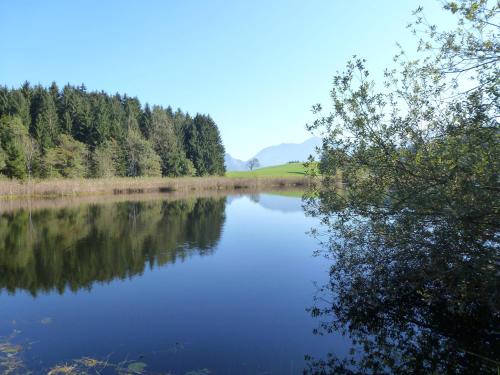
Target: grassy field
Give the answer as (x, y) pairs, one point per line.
(281, 171)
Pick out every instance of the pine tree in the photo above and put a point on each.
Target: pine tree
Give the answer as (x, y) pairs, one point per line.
(143, 141)
(45, 122)
(204, 146)
(101, 121)
(145, 123)
(166, 143)
(19, 105)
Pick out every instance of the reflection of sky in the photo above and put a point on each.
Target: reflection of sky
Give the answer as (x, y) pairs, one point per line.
(273, 202)
(239, 310)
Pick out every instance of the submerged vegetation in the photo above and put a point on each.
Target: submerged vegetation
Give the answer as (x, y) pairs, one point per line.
(10, 355)
(71, 132)
(414, 237)
(13, 361)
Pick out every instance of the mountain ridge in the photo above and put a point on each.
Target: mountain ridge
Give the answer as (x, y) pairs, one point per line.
(276, 154)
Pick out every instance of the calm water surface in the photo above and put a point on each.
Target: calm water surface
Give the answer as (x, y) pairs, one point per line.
(202, 285)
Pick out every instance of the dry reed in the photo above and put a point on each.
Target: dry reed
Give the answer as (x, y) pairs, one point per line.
(39, 203)
(11, 189)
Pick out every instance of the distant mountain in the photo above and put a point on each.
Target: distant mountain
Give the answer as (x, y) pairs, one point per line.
(276, 155)
(233, 164)
(285, 152)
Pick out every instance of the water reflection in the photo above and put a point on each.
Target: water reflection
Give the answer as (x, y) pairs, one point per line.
(240, 310)
(75, 247)
(415, 294)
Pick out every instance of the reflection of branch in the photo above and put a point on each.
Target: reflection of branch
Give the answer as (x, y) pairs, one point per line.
(493, 361)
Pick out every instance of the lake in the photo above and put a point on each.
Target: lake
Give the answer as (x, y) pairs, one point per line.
(183, 286)
(229, 284)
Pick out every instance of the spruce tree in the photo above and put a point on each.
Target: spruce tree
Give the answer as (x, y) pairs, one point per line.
(143, 140)
(45, 122)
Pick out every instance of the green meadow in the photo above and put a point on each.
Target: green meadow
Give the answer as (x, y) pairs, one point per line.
(284, 170)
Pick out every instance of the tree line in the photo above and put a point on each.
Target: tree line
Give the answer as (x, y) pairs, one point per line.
(71, 132)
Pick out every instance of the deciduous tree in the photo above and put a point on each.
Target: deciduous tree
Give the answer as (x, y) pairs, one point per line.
(253, 163)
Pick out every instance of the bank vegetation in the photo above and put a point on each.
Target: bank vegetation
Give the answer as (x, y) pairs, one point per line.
(43, 188)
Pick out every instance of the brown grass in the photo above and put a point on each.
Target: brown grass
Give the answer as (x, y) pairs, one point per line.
(39, 203)
(11, 189)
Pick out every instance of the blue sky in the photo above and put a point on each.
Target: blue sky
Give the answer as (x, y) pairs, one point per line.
(255, 66)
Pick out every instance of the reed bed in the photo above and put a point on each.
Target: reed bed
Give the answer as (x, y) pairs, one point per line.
(34, 204)
(12, 189)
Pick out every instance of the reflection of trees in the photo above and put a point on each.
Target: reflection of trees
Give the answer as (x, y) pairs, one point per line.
(415, 293)
(75, 247)
(415, 237)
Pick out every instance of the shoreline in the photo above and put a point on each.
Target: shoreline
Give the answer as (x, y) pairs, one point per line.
(34, 204)
(56, 188)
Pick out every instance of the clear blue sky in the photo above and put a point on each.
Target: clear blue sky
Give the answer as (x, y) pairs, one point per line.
(256, 66)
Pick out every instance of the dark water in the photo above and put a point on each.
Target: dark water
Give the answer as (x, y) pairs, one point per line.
(198, 286)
